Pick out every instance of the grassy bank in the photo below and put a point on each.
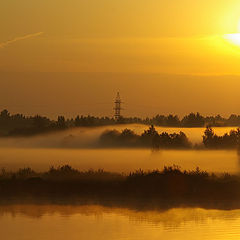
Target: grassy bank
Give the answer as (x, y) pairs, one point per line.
(169, 184)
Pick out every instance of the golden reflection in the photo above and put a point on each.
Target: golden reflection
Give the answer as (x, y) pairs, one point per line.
(167, 217)
(62, 222)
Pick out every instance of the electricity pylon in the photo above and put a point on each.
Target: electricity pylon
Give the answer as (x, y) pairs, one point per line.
(117, 108)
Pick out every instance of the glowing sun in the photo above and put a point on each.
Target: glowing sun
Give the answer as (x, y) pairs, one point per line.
(233, 38)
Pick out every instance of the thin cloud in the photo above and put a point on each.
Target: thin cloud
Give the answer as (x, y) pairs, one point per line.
(4, 44)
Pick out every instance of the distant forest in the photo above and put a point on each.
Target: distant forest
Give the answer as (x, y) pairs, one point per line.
(21, 125)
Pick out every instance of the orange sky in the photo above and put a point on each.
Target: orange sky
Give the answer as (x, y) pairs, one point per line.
(136, 38)
(70, 94)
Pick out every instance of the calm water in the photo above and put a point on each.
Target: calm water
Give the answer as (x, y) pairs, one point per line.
(27, 222)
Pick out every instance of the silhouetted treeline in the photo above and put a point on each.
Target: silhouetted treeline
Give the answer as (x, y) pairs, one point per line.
(152, 139)
(169, 184)
(18, 124)
(228, 140)
(193, 120)
(149, 138)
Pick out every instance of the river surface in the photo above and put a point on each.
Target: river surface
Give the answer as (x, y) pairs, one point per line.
(94, 222)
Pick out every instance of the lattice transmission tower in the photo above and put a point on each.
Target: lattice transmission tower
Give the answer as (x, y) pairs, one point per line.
(118, 107)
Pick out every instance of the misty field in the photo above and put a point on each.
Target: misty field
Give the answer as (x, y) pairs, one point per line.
(79, 148)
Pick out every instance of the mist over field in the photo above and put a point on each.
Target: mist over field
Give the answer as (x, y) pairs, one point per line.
(86, 137)
(79, 147)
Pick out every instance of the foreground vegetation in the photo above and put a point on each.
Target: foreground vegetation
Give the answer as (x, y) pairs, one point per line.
(169, 184)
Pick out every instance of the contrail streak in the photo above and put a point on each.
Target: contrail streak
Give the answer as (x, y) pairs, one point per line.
(4, 44)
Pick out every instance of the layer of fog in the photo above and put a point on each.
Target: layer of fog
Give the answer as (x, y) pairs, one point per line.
(84, 137)
(79, 148)
(118, 160)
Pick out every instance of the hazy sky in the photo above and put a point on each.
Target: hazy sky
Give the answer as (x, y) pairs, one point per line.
(134, 40)
(70, 94)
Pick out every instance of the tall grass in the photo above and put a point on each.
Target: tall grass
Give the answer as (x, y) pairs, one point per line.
(170, 183)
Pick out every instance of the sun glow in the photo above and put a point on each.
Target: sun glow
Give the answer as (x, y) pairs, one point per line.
(233, 38)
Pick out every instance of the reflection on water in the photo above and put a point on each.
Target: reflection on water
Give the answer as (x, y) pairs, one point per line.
(22, 222)
(119, 160)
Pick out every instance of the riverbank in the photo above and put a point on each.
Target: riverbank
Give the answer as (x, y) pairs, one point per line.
(171, 187)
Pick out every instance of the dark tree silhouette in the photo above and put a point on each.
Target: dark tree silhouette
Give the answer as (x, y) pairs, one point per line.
(193, 120)
(40, 123)
(61, 123)
(149, 138)
(228, 140)
(172, 121)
